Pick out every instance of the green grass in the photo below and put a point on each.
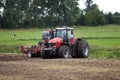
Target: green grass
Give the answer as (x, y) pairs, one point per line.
(104, 41)
(104, 52)
(98, 32)
(23, 36)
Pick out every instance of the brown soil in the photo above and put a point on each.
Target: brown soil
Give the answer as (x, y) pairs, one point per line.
(19, 67)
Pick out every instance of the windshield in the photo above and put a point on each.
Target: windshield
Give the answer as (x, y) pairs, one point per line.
(61, 33)
(45, 35)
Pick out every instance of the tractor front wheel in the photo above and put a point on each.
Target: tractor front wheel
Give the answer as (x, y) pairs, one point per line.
(64, 52)
(45, 54)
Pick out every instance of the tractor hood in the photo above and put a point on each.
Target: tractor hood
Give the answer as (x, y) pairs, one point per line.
(55, 40)
(58, 41)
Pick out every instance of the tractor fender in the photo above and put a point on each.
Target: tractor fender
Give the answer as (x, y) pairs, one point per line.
(65, 44)
(78, 39)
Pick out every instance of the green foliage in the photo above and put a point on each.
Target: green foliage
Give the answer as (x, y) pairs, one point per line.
(93, 16)
(116, 18)
(37, 13)
(11, 14)
(109, 18)
(0, 4)
(88, 3)
(113, 18)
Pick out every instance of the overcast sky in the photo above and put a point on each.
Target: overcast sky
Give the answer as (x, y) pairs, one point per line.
(105, 5)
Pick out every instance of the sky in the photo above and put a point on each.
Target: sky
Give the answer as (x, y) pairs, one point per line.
(105, 5)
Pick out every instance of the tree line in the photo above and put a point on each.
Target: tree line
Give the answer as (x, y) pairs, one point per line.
(42, 13)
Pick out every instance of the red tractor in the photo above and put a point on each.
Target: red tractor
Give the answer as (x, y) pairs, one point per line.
(63, 44)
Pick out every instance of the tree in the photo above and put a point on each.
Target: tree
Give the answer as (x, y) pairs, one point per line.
(0, 21)
(109, 18)
(93, 16)
(25, 12)
(88, 4)
(1, 6)
(59, 12)
(1, 3)
(116, 18)
(11, 14)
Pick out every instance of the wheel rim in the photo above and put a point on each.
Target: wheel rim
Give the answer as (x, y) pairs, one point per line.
(66, 54)
(30, 54)
(86, 51)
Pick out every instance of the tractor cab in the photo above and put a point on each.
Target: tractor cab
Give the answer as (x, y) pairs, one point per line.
(65, 33)
(48, 34)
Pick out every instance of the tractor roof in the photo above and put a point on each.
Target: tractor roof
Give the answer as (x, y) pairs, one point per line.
(65, 28)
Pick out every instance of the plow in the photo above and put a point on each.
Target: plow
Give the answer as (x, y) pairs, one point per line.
(33, 51)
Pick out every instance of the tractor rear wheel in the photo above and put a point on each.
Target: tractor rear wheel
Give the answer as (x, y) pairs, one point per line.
(82, 49)
(64, 52)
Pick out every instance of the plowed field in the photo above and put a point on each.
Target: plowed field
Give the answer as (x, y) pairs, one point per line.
(19, 67)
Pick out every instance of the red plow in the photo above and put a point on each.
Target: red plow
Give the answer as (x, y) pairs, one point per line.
(33, 51)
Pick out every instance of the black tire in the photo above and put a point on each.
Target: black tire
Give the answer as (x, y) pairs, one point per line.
(64, 52)
(82, 49)
(45, 54)
(37, 55)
